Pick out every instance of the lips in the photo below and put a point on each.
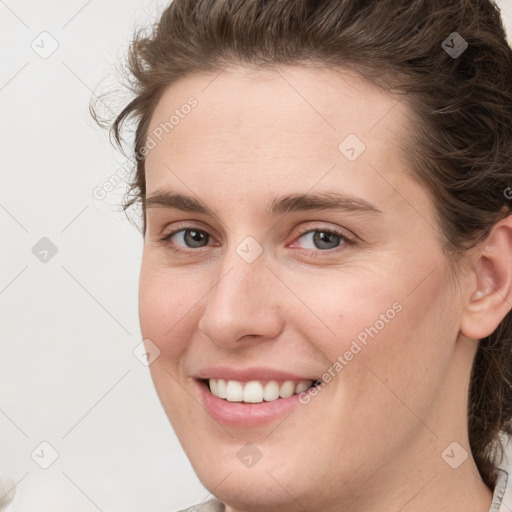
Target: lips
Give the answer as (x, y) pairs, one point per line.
(243, 414)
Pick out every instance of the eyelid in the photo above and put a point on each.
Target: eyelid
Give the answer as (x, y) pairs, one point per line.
(322, 226)
(182, 225)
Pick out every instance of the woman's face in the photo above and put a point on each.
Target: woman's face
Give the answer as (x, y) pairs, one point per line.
(302, 251)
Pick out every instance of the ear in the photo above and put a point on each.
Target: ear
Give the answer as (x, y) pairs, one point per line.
(489, 296)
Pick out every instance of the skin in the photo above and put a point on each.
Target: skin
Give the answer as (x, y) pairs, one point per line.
(372, 439)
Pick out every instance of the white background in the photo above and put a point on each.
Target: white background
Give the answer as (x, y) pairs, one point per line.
(68, 375)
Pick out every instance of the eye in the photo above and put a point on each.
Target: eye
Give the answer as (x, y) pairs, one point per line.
(191, 238)
(324, 239)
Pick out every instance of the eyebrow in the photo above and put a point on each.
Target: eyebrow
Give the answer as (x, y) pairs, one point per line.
(278, 206)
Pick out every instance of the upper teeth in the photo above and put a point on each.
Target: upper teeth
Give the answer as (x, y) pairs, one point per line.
(255, 391)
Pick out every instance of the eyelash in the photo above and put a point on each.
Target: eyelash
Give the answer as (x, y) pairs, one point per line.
(313, 252)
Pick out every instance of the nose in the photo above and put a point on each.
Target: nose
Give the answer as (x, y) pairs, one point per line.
(243, 304)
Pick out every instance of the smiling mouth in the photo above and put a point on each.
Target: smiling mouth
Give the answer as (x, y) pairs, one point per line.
(256, 391)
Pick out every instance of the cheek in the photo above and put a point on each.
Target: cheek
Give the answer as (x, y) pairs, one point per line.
(405, 352)
(168, 307)
(389, 356)
(168, 317)
(376, 326)
(336, 308)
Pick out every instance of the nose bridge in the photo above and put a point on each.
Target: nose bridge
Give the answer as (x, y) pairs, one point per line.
(241, 303)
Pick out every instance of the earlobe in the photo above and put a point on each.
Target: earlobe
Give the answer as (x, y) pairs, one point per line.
(479, 294)
(490, 292)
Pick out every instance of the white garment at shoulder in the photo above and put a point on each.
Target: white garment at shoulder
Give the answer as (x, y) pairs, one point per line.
(212, 505)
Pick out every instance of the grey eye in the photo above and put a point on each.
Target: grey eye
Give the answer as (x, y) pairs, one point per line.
(193, 238)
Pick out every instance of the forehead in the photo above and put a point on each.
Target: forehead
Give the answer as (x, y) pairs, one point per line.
(301, 101)
(277, 128)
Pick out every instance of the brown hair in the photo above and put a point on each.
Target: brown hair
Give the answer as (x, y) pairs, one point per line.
(461, 149)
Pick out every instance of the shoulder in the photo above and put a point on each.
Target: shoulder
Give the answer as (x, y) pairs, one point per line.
(212, 505)
(503, 490)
